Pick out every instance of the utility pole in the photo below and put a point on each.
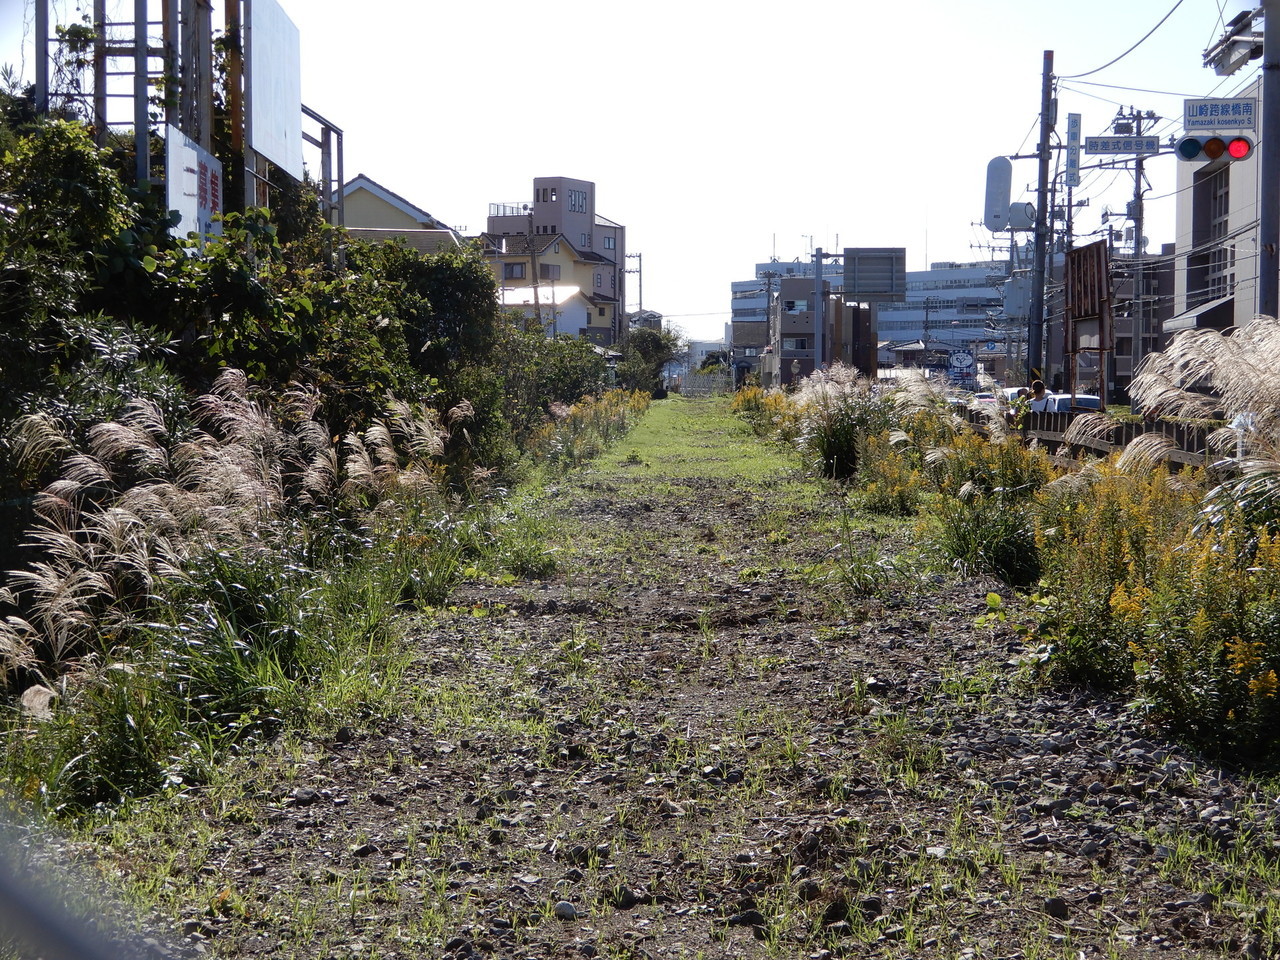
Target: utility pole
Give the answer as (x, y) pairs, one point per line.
(1035, 324)
(1136, 309)
(817, 309)
(1269, 174)
(819, 302)
(533, 269)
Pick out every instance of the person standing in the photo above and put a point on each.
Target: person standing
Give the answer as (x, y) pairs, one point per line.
(1039, 399)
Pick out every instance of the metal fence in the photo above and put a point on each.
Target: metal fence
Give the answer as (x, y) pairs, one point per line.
(1049, 429)
(707, 384)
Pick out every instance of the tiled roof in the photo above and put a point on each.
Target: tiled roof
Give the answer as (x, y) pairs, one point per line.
(424, 241)
(518, 244)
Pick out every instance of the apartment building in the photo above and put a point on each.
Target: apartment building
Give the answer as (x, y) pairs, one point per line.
(582, 251)
(947, 307)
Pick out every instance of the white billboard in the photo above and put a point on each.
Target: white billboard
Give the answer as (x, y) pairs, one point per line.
(273, 85)
(194, 185)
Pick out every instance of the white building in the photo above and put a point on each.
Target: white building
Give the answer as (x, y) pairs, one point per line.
(1216, 266)
(949, 305)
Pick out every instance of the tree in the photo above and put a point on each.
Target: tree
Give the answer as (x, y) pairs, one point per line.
(646, 352)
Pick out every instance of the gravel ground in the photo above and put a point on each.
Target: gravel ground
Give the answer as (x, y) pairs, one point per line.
(682, 745)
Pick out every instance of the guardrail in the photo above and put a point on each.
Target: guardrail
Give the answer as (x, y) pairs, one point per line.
(1049, 430)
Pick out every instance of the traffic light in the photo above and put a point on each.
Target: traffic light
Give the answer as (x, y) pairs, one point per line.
(1211, 147)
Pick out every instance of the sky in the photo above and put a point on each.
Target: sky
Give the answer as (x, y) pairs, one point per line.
(726, 134)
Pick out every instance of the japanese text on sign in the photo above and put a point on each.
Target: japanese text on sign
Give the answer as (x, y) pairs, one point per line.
(1240, 114)
(1122, 145)
(1073, 149)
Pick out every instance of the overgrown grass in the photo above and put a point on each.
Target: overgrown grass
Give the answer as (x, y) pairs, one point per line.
(1143, 579)
(224, 587)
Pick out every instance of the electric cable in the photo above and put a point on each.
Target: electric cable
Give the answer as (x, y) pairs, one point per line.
(1076, 76)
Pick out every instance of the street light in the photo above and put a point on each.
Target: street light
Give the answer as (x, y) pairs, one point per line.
(795, 369)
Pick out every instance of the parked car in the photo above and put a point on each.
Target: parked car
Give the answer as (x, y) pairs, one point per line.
(1062, 402)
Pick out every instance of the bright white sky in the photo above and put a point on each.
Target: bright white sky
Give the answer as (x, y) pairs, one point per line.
(724, 133)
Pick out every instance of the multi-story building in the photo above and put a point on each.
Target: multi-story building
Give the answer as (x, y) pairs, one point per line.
(948, 307)
(1217, 254)
(584, 251)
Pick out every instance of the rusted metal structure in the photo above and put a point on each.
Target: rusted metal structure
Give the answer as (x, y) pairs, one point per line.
(1088, 325)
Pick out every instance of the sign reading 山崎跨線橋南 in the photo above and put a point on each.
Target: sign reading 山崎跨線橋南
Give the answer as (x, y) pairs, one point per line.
(1238, 114)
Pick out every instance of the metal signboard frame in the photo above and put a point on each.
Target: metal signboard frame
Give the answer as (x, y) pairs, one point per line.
(1088, 322)
(875, 274)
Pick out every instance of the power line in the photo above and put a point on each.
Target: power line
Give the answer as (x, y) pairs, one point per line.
(1076, 76)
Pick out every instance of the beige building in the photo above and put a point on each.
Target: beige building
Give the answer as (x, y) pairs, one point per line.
(573, 246)
(551, 282)
(374, 213)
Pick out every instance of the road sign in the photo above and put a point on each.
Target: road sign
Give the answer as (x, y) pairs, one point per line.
(1237, 114)
(1133, 145)
(1073, 149)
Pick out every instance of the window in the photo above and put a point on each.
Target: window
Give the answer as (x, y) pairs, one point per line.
(599, 280)
(613, 281)
(601, 311)
(751, 351)
(577, 201)
(513, 271)
(553, 194)
(795, 306)
(610, 243)
(548, 271)
(585, 241)
(795, 343)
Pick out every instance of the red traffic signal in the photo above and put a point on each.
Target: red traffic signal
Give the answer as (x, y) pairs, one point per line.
(1200, 148)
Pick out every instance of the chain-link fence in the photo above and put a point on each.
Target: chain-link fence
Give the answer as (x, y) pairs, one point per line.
(707, 384)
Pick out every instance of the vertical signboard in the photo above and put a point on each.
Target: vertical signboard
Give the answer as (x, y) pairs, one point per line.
(193, 179)
(273, 85)
(1073, 150)
(1087, 320)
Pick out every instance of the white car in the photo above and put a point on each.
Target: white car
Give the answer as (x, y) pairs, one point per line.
(1062, 402)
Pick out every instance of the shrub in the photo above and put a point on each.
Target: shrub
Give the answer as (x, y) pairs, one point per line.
(580, 432)
(839, 411)
(987, 534)
(892, 484)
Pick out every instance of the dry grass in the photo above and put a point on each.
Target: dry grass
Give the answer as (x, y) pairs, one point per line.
(128, 512)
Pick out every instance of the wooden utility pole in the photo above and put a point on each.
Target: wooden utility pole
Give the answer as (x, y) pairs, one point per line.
(1035, 324)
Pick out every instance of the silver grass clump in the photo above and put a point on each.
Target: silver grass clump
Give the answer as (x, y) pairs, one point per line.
(1145, 452)
(399, 456)
(129, 513)
(1203, 372)
(1234, 375)
(915, 393)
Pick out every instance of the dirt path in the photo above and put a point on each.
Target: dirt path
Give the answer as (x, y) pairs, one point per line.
(688, 743)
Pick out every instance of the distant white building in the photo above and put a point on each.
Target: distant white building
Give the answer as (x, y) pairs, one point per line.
(948, 307)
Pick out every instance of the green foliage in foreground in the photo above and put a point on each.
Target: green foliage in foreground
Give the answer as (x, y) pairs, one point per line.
(194, 612)
(1162, 585)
